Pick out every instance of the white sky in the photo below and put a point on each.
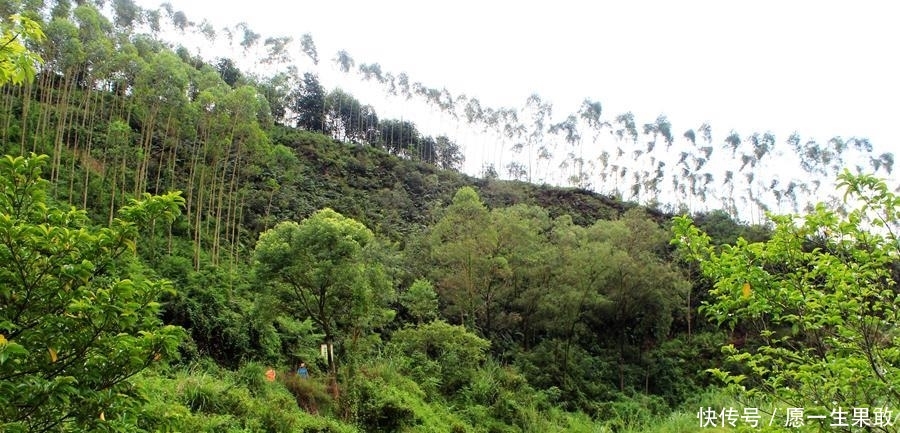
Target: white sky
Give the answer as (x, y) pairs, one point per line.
(823, 68)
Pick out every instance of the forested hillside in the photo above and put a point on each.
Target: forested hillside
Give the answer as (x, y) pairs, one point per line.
(173, 227)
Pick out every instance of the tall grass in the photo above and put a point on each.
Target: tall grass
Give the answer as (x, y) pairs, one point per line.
(210, 399)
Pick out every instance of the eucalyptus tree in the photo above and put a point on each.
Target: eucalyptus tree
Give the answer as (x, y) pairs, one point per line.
(209, 158)
(729, 200)
(349, 119)
(390, 84)
(706, 152)
(508, 127)
(733, 142)
(406, 88)
(160, 89)
(126, 14)
(626, 130)
(99, 45)
(761, 145)
(18, 64)
(679, 182)
(490, 120)
(277, 51)
(885, 160)
(152, 18)
(705, 131)
(570, 133)
(793, 142)
(696, 184)
(370, 71)
(591, 113)
(344, 62)
(249, 38)
(642, 179)
(516, 171)
(207, 30)
(660, 126)
(13, 46)
(65, 56)
(815, 159)
(308, 47)
(246, 140)
(473, 111)
(540, 113)
(839, 146)
(178, 19)
(603, 158)
(402, 138)
(124, 66)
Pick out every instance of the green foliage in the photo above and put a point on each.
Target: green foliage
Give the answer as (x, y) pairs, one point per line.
(817, 302)
(630, 412)
(722, 229)
(462, 248)
(383, 408)
(78, 318)
(350, 120)
(311, 394)
(208, 306)
(562, 282)
(421, 301)
(440, 357)
(17, 62)
(384, 399)
(308, 101)
(320, 269)
(581, 309)
(210, 399)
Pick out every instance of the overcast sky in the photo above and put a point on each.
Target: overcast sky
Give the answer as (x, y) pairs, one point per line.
(823, 68)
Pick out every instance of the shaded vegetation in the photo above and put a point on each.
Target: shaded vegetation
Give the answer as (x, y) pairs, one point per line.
(304, 224)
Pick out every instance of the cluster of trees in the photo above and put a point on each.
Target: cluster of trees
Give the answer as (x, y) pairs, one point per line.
(649, 162)
(814, 306)
(304, 103)
(481, 307)
(119, 111)
(555, 297)
(617, 155)
(546, 292)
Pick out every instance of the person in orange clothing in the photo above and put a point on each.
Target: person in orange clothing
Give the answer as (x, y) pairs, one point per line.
(270, 375)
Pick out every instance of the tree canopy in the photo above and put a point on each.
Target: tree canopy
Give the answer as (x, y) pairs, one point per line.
(78, 318)
(814, 307)
(321, 268)
(17, 63)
